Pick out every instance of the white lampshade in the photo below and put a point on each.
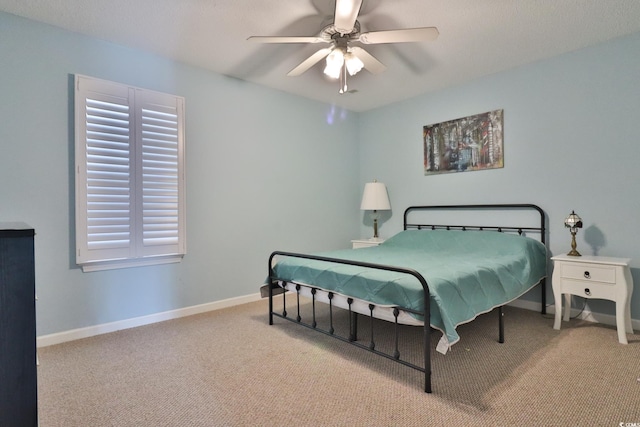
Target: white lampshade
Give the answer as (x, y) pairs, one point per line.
(354, 64)
(335, 61)
(375, 197)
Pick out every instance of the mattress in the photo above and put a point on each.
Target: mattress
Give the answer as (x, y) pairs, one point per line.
(468, 273)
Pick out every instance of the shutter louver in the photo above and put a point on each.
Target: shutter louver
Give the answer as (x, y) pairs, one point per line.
(160, 175)
(108, 175)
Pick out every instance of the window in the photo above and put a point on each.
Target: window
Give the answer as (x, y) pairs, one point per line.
(130, 184)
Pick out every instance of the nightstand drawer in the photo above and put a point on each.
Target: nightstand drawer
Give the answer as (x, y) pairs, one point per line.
(589, 272)
(586, 289)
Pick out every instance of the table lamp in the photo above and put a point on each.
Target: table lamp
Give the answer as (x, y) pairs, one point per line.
(375, 199)
(573, 222)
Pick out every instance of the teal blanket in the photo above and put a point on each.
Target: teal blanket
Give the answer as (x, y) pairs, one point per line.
(468, 273)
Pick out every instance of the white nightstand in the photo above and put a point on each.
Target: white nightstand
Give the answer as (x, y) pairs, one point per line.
(594, 277)
(365, 243)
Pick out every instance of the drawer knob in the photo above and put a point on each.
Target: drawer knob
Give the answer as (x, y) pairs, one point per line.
(587, 291)
(587, 275)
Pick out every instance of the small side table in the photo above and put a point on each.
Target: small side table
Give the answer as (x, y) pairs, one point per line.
(365, 243)
(594, 277)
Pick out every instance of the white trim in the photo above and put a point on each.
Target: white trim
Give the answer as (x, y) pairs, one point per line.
(128, 263)
(105, 328)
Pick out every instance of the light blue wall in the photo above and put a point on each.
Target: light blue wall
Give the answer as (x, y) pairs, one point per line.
(571, 141)
(265, 171)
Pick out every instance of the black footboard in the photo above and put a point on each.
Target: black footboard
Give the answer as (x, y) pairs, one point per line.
(426, 368)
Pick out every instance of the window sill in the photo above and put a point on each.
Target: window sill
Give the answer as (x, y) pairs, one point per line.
(129, 263)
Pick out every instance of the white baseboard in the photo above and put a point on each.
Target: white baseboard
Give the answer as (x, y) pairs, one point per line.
(587, 314)
(105, 328)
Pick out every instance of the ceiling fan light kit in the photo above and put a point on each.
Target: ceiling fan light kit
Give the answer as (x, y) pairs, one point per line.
(353, 63)
(341, 57)
(334, 64)
(340, 63)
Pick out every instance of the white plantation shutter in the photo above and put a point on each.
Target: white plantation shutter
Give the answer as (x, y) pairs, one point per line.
(160, 130)
(129, 175)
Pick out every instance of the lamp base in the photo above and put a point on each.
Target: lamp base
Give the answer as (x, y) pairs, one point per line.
(573, 252)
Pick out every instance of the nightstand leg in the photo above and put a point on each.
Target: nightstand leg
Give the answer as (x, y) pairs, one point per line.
(558, 300)
(567, 307)
(627, 315)
(621, 310)
(557, 296)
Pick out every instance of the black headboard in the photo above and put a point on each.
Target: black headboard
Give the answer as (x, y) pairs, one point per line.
(520, 229)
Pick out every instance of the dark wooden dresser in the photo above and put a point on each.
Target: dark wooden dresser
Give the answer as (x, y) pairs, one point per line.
(18, 376)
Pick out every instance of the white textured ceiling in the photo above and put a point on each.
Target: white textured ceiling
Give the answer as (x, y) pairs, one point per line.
(476, 37)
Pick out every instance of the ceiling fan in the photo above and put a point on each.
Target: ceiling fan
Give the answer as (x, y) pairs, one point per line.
(341, 57)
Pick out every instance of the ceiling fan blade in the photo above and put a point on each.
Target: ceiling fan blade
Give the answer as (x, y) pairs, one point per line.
(346, 14)
(310, 62)
(370, 63)
(285, 39)
(400, 36)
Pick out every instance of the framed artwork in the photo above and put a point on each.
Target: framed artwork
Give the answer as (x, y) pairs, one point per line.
(468, 144)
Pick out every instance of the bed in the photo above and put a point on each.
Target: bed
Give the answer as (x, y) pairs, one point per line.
(461, 270)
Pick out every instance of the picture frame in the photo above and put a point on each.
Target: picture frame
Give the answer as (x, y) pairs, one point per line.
(466, 144)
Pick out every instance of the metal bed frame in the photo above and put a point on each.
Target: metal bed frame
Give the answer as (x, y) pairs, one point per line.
(353, 328)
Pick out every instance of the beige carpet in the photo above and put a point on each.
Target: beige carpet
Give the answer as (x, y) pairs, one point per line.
(229, 368)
